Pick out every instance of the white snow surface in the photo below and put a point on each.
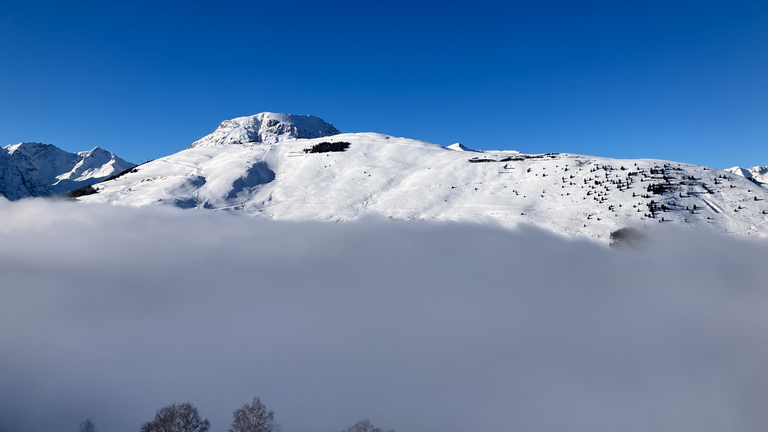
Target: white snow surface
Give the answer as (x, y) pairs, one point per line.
(267, 128)
(405, 179)
(758, 173)
(34, 169)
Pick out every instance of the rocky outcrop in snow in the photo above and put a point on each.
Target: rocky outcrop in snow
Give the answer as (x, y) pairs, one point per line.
(36, 169)
(267, 128)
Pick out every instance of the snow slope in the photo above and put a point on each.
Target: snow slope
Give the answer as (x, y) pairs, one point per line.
(35, 169)
(267, 128)
(758, 173)
(400, 178)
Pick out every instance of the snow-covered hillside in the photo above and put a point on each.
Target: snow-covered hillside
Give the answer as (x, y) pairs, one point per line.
(400, 178)
(35, 169)
(759, 173)
(267, 128)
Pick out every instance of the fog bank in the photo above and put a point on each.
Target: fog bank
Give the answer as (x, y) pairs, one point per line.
(111, 313)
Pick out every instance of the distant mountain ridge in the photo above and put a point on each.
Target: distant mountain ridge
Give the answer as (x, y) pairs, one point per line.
(758, 173)
(33, 169)
(266, 166)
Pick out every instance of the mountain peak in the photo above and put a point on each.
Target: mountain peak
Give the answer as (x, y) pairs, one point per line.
(267, 128)
(461, 147)
(30, 169)
(27, 146)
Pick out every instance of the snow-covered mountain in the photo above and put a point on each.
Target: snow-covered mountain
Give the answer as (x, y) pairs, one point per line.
(35, 169)
(758, 174)
(267, 128)
(347, 176)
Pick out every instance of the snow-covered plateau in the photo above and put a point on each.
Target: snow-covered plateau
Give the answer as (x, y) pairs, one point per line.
(288, 167)
(34, 169)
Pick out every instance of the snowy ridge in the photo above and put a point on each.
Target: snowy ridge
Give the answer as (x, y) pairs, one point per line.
(399, 178)
(267, 128)
(758, 173)
(36, 169)
(461, 147)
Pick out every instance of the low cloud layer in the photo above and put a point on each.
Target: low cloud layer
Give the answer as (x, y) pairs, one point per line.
(111, 313)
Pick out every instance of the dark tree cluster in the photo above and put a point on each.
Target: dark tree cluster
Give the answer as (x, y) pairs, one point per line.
(253, 417)
(87, 426)
(83, 191)
(182, 417)
(657, 188)
(515, 158)
(482, 160)
(627, 237)
(326, 147)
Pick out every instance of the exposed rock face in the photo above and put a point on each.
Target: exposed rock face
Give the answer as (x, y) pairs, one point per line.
(267, 128)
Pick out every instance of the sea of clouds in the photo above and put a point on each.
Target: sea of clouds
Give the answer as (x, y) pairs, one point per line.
(110, 313)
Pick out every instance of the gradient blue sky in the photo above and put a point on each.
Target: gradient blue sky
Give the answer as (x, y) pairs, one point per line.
(680, 80)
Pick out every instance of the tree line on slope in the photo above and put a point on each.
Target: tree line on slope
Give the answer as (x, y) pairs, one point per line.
(253, 417)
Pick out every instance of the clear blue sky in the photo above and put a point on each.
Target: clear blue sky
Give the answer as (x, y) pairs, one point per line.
(680, 80)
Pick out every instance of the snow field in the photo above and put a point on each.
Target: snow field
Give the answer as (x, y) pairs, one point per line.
(573, 195)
